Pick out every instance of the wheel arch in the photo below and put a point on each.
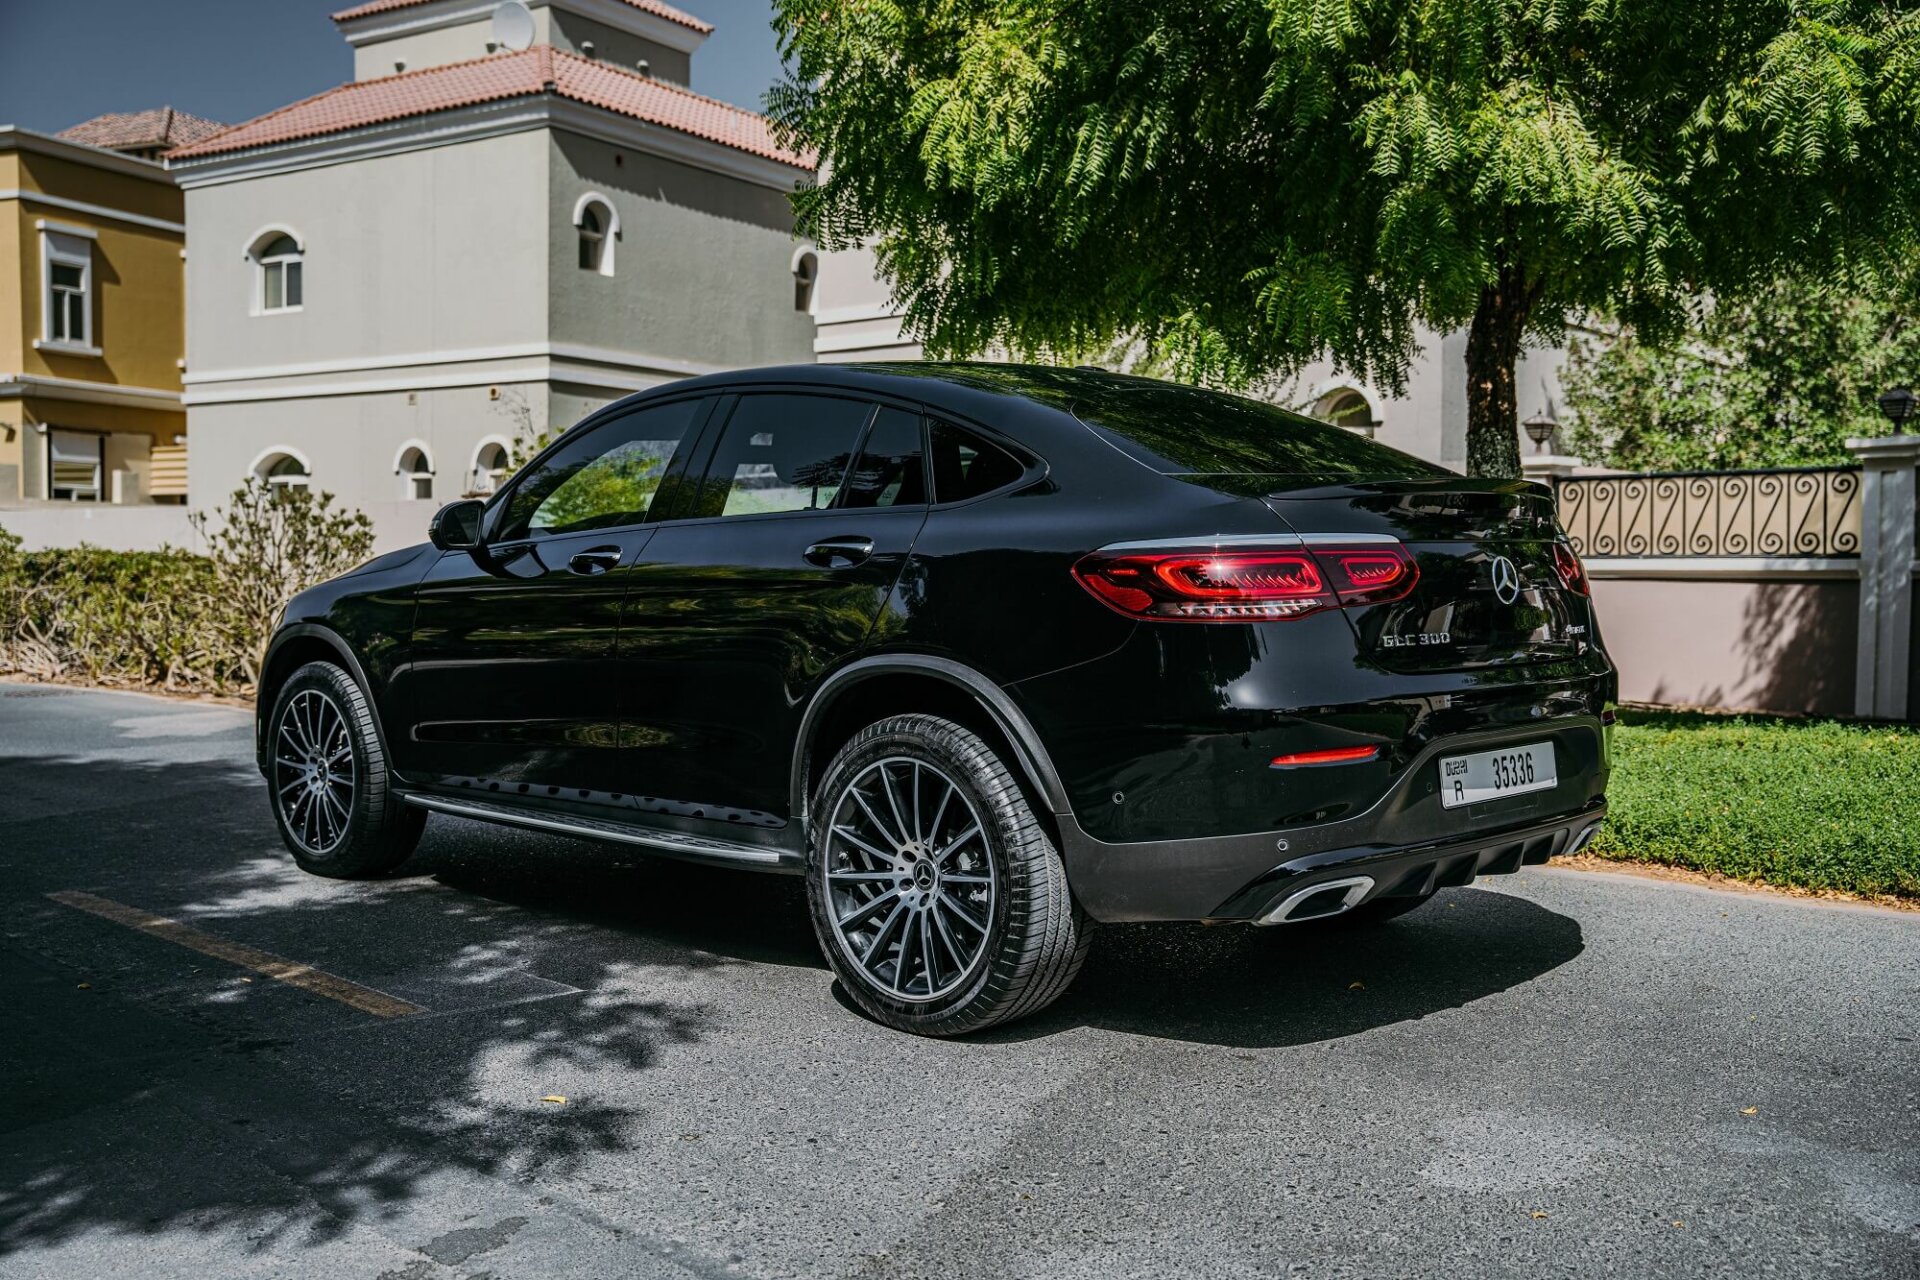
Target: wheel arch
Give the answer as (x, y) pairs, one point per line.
(859, 693)
(293, 647)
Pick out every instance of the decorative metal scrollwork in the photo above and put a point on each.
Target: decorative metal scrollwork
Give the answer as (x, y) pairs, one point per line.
(1812, 512)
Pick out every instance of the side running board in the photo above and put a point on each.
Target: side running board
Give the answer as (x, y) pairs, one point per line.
(678, 844)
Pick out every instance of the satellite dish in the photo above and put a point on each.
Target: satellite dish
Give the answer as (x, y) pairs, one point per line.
(513, 25)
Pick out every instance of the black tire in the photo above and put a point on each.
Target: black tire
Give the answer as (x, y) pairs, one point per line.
(1035, 937)
(347, 830)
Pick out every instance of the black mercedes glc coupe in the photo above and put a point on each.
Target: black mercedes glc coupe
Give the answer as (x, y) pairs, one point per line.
(987, 653)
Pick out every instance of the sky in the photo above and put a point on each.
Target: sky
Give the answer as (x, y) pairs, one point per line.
(231, 60)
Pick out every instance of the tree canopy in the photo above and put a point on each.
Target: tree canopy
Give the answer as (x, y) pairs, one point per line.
(1247, 186)
(1779, 377)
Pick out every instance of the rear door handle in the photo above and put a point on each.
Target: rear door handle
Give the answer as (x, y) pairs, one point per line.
(594, 561)
(830, 553)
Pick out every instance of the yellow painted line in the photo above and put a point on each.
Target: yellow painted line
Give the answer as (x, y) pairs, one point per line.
(294, 974)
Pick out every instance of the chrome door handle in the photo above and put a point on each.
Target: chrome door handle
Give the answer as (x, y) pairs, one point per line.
(830, 553)
(594, 561)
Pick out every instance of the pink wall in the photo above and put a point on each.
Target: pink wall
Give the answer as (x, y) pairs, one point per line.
(1760, 646)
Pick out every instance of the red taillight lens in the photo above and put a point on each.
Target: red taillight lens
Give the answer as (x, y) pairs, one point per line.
(1248, 586)
(1374, 574)
(1220, 586)
(1573, 574)
(1332, 755)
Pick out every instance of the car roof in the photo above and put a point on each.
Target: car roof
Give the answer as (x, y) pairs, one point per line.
(1033, 403)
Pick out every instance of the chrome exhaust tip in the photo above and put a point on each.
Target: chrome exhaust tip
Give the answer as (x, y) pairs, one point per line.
(1319, 901)
(1581, 841)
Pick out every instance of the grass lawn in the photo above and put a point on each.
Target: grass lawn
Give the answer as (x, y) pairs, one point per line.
(1815, 804)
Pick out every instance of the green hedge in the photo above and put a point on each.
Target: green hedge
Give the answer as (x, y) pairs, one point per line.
(115, 617)
(1804, 803)
(173, 618)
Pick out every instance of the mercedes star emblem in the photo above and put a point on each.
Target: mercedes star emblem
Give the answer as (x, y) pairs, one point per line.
(1506, 580)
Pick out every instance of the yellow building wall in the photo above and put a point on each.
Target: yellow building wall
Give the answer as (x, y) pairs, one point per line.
(12, 301)
(139, 278)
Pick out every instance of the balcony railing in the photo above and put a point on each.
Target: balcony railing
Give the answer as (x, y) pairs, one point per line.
(1810, 512)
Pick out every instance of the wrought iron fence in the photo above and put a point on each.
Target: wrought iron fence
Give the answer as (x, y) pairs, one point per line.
(1813, 512)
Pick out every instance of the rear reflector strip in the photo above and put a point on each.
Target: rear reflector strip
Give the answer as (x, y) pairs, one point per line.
(1332, 755)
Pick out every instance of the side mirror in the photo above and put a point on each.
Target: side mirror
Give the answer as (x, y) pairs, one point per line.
(456, 526)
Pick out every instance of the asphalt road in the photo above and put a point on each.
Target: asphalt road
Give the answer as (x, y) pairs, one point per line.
(1556, 1073)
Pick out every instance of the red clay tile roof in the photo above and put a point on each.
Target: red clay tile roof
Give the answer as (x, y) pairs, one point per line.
(654, 7)
(491, 79)
(142, 130)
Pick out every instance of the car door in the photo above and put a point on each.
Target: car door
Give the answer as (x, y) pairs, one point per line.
(513, 684)
(808, 508)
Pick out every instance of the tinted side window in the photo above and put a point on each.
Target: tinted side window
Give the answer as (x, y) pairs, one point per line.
(965, 466)
(605, 478)
(1180, 430)
(889, 471)
(782, 453)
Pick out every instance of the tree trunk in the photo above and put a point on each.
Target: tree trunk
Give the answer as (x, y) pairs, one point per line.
(1493, 348)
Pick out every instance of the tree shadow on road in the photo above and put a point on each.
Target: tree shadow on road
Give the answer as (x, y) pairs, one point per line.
(150, 1090)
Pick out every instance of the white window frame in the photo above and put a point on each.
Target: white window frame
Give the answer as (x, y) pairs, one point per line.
(98, 491)
(475, 475)
(259, 264)
(609, 232)
(269, 458)
(1332, 394)
(409, 478)
(77, 251)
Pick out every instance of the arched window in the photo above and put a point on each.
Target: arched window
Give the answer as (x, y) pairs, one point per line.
(806, 273)
(598, 227)
(1346, 407)
(489, 467)
(280, 268)
(281, 470)
(415, 470)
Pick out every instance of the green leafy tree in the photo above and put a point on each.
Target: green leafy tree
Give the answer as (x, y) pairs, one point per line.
(1778, 378)
(1253, 184)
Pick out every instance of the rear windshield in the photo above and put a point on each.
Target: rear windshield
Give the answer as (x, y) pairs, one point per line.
(1187, 431)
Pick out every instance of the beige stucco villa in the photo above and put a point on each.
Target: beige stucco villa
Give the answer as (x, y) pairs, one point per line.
(515, 213)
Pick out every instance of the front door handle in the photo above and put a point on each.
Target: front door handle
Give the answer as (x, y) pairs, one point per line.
(594, 561)
(832, 553)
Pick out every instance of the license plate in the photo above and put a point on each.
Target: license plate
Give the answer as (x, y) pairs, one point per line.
(1495, 775)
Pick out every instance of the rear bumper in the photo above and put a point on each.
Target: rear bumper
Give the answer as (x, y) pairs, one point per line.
(1247, 877)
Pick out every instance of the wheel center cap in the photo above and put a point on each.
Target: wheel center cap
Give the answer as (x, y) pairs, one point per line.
(923, 874)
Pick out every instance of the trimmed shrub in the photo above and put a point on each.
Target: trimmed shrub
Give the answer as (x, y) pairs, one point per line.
(1814, 804)
(171, 618)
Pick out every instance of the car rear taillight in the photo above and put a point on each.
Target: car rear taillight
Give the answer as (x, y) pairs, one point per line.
(1215, 586)
(1376, 573)
(1573, 574)
(1247, 586)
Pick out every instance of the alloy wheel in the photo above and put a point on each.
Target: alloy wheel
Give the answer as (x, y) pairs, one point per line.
(909, 882)
(313, 771)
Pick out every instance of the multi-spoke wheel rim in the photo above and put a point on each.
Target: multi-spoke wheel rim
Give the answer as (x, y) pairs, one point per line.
(909, 882)
(313, 771)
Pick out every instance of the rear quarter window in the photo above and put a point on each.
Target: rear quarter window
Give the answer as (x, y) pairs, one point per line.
(1188, 431)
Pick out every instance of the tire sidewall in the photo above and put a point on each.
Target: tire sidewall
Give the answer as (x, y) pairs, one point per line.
(1000, 823)
(337, 687)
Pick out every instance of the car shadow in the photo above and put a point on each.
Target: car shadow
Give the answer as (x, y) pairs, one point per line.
(1229, 985)
(1243, 987)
